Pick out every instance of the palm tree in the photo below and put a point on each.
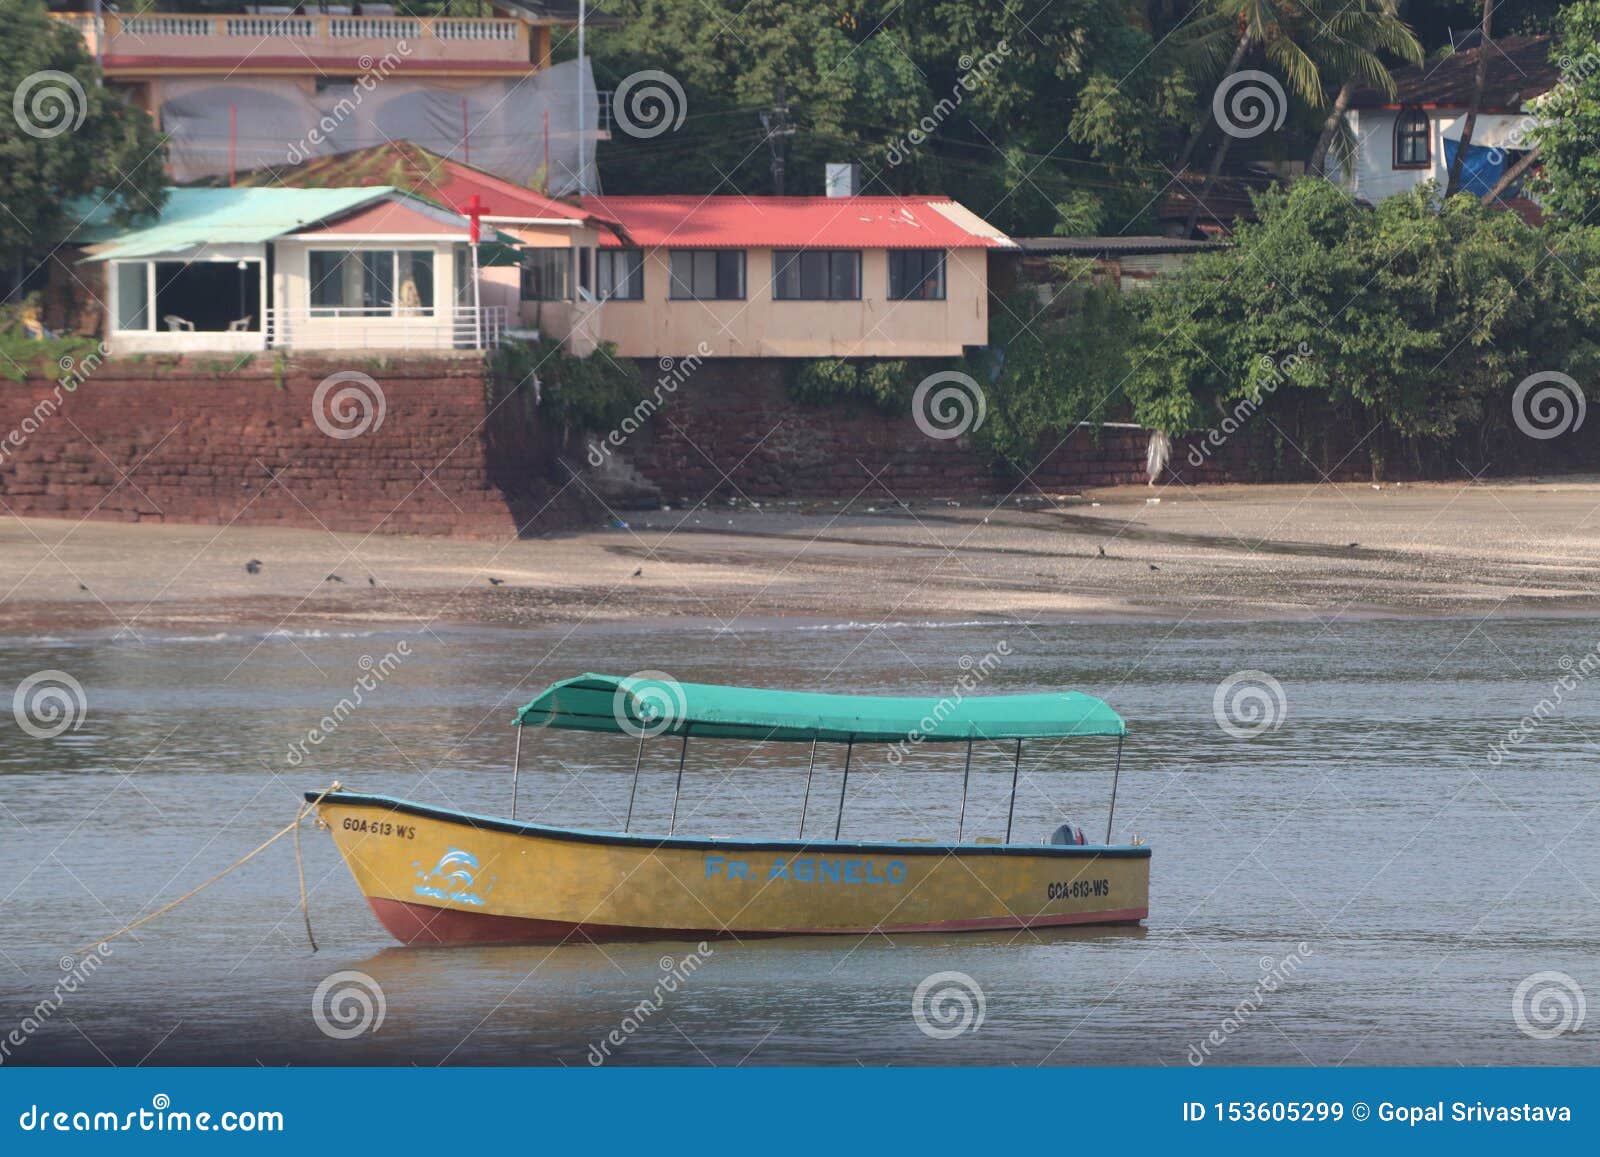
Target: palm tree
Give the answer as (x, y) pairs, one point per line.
(1357, 35)
(1298, 39)
(1479, 77)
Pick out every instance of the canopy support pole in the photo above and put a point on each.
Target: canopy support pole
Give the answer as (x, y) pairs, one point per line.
(637, 760)
(849, 745)
(683, 753)
(516, 771)
(805, 804)
(1115, 775)
(1016, 770)
(966, 774)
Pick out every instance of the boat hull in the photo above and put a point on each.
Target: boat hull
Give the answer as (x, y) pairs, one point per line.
(442, 877)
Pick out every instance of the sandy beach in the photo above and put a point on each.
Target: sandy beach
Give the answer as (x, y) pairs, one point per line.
(1511, 547)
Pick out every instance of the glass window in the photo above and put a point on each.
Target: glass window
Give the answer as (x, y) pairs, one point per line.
(585, 281)
(1411, 142)
(547, 275)
(816, 274)
(707, 274)
(133, 295)
(415, 271)
(463, 264)
(372, 281)
(621, 274)
(916, 274)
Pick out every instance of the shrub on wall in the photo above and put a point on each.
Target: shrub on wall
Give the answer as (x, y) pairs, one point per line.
(576, 393)
(22, 354)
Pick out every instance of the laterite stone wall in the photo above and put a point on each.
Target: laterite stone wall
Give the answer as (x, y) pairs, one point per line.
(732, 427)
(202, 442)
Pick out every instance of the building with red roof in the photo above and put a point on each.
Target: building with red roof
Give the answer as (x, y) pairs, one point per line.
(735, 276)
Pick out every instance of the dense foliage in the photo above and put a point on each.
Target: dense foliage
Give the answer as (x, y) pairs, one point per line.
(63, 136)
(1057, 358)
(576, 393)
(1054, 115)
(1568, 131)
(1414, 319)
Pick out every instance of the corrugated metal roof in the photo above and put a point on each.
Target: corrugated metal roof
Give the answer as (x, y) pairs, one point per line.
(797, 222)
(195, 218)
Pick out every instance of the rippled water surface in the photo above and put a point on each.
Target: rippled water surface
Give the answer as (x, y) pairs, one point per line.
(1361, 884)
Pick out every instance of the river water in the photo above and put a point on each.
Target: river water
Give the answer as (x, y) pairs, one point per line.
(1359, 883)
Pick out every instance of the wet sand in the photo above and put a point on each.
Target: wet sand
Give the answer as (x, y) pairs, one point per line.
(1228, 552)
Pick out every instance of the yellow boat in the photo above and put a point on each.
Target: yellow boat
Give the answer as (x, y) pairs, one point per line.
(437, 876)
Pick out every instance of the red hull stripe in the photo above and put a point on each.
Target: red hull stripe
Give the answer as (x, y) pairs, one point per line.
(422, 924)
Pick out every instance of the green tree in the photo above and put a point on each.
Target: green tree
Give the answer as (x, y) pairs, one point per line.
(1044, 119)
(1567, 132)
(1303, 41)
(1412, 320)
(64, 136)
(1356, 38)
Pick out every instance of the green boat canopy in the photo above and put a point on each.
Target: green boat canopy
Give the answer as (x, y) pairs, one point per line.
(639, 705)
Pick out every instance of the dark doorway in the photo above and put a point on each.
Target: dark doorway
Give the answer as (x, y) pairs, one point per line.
(212, 296)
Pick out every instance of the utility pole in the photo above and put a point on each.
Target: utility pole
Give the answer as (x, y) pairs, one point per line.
(583, 164)
(776, 121)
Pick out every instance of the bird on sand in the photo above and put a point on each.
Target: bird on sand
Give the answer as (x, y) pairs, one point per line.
(1102, 551)
(1153, 566)
(333, 578)
(253, 566)
(494, 582)
(371, 582)
(638, 572)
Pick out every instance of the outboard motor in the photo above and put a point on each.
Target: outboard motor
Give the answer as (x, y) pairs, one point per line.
(1068, 834)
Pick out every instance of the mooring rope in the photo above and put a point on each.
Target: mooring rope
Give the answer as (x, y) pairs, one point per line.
(294, 827)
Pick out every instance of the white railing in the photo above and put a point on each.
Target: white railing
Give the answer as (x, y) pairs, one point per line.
(474, 29)
(373, 28)
(167, 25)
(306, 27)
(440, 328)
(264, 27)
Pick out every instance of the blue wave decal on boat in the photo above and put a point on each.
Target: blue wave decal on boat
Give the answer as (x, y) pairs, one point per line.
(454, 877)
